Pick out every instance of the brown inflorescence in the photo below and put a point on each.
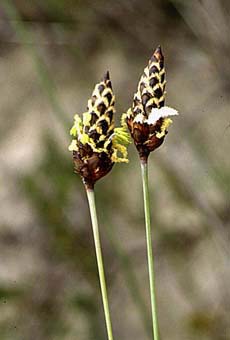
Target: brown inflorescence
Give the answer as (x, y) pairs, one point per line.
(147, 119)
(96, 143)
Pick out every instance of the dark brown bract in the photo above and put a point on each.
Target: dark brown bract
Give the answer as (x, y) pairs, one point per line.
(92, 168)
(144, 136)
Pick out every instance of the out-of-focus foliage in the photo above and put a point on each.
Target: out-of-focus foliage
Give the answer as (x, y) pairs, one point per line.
(52, 52)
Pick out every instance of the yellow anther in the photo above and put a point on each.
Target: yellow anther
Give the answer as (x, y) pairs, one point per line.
(73, 145)
(164, 127)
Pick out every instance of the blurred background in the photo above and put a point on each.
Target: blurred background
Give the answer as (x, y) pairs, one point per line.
(52, 54)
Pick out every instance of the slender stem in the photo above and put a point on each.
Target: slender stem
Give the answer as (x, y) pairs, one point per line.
(144, 173)
(93, 213)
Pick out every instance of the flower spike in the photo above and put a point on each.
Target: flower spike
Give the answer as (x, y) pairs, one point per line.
(147, 119)
(96, 144)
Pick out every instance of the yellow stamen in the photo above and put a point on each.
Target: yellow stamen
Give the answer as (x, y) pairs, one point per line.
(77, 126)
(73, 145)
(84, 138)
(122, 149)
(86, 118)
(164, 127)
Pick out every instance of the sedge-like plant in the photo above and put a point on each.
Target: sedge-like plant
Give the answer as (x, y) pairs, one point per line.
(97, 145)
(148, 121)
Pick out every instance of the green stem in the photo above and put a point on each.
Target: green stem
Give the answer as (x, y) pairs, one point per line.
(93, 213)
(144, 173)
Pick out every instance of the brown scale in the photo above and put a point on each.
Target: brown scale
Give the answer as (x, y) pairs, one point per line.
(153, 79)
(96, 167)
(103, 109)
(150, 94)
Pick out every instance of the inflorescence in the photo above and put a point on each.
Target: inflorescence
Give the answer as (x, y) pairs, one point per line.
(96, 143)
(148, 118)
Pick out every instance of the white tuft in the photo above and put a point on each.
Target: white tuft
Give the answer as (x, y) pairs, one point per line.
(163, 112)
(139, 118)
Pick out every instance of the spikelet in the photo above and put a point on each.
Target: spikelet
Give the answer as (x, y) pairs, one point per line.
(147, 119)
(96, 144)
